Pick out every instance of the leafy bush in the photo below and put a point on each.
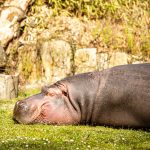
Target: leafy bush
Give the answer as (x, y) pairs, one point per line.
(132, 16)
(94, 8)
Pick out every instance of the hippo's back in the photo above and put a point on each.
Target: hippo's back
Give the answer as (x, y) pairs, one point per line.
(124, 96)
(134, 77)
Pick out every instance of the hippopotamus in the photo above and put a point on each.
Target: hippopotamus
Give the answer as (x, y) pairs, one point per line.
(118, 96)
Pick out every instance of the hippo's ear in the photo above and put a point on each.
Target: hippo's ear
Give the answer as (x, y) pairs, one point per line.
(63, 89)
(55, 90)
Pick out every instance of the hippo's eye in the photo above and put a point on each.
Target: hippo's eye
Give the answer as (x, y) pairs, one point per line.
(49, 94)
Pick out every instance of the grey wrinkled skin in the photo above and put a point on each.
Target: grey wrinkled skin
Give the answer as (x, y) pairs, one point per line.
(119, 96)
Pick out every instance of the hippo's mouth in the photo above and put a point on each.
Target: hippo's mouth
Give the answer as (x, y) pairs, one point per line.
(42, 116)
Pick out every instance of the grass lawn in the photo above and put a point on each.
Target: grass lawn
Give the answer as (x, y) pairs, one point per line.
(47, 137)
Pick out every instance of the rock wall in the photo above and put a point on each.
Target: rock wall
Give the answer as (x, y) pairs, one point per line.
(51, 48)
(59, 60)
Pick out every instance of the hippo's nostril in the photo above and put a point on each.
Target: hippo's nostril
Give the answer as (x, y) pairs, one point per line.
(17, 102)
(22, 106)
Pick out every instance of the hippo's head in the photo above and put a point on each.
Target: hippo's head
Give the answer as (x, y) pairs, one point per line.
(50, 107)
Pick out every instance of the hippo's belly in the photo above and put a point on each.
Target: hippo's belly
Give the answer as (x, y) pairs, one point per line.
(130, 113)
(116, 117)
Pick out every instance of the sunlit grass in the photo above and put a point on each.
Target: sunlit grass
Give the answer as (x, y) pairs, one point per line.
(47, 137)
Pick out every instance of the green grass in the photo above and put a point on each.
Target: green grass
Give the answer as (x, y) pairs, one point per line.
(47, 137)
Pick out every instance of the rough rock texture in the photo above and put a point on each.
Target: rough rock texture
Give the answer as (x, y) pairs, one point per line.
(8, 86)
(2, 57)
(53, 47)
(56, 59)
(85, 60)
(12, 12)
(118, 58)
(107, 60)
(29, 63)
(102, 61)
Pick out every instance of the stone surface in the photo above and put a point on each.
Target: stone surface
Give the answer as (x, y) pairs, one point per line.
(56, 59)
(22, 4)
(108, 60)
(29, 63)
(102, 61)
(2, 57)
(85, 60)
(12, 12)
(48, 48)
(8, 86)
(118, 58)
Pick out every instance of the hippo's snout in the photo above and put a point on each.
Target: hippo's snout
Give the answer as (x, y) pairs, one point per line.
(20, 109)
(22, 106)
(25, 112)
